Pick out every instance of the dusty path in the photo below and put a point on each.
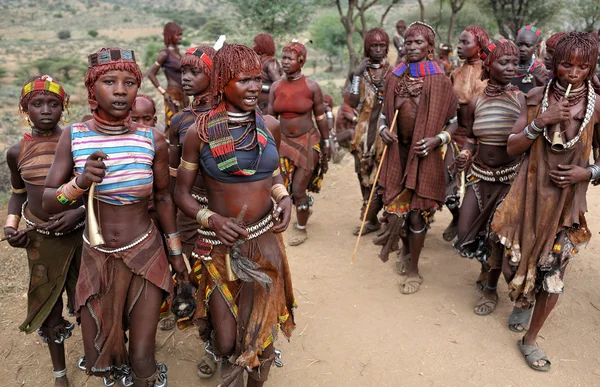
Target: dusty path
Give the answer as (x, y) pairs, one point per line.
(355, 328)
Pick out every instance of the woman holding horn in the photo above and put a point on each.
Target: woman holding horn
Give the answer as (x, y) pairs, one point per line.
(53, 242)
(245, 293)
(123, 280)
(488, 122)
(412, 171)
(541, 222)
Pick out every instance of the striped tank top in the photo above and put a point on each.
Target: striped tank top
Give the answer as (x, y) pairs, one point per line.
(495, 117)
(129, 177)
(36, 157)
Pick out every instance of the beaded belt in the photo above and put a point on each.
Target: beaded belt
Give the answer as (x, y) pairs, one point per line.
(126, 247)
(503, 175)
(254, 230)
(31, 223)
(203, 200)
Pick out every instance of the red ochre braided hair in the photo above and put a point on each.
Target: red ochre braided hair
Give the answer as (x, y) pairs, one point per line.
(170, 30)
(147, 98)
(229, 62)
(96, 70)
(494, 51)
(42, 85)
(264, 45)
(373, 34)
(191, 58)
(482, 39)
(576, 45)
(554, 39)
(298, 48)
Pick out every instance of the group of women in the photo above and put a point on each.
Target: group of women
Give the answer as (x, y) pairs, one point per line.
(112, 206)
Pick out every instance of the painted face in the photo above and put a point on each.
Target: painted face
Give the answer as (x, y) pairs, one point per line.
(548, 57)
(143, 112)
(194, 80)
(526, 43)
(44, 111)
(241, 93)
(467, 47)
(290, 63)
(115, 93)
(503, 70)
(377, 49)
(573, 71)
(417, 48)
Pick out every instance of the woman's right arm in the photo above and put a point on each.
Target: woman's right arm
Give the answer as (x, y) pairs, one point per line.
(160, 60)
(470, 146)
(17, 238)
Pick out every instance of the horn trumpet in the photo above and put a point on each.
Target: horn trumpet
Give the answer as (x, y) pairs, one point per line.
(558, 144)
(94, 231)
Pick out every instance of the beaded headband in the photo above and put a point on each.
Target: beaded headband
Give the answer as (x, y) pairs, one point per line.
(202, 55)
(530, 28)
(110, 56)
(491, 47)
(45, 83)
(423, 24)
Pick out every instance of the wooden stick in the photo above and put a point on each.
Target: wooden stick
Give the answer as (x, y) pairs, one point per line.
(362, 226)
(26, 230)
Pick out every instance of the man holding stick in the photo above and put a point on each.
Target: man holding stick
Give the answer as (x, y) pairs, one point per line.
(412, 174)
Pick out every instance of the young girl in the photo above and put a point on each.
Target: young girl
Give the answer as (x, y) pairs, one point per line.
(53, 242)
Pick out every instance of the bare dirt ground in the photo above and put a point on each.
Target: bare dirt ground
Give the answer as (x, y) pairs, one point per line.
(354, 328)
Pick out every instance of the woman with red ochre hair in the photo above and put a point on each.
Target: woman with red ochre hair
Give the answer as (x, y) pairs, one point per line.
(541, 222)
(245, 294)
(122, 281)
(169, 59)
(264, 46)
(305, 150)
(551, 43)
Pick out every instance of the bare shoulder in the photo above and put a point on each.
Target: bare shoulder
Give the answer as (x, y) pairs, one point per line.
(272, 124)
(597, 109)
(162, 56)
(312, 84)
(13, 153)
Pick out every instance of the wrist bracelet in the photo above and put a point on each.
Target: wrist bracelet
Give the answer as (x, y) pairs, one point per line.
(203, 215)
(172, 172)
(161, 90)
(355, 88)
(12, 221)
(278, 192)
(595, 170)
(326, 143)
(61, 197)
(529, 135)
(533, 126)
(444, 137)
(382, 128)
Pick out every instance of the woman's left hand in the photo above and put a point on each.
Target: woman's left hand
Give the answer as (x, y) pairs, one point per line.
(426, 146)
(65, 221)
(179, 268)
(567, 175)
(283, 211)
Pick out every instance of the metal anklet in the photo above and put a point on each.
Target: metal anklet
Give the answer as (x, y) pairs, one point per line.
(60, 374)
(419, 231)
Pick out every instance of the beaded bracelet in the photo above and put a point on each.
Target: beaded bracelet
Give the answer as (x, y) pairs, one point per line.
(595, 170)
(72, 191)
(61, 197)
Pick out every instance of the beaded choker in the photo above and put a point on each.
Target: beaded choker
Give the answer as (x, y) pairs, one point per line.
(375, 65)
(492, 90)
(419, 69)
(291, 79)
(222, 144)
(238, 117)
(575, 95)
(111, 128)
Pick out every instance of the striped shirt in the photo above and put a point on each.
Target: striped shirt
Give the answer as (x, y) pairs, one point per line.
(129, 177)
(495, 117)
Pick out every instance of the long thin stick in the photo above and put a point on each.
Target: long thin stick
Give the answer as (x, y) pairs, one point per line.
(362, 226)
(26, 230)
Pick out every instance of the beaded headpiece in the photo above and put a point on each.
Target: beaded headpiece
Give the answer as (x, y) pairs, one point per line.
(45, 83)
(423, 24)
(202, 55)
(491, 47)
(298, 48)
(530, 28)
(111, 56)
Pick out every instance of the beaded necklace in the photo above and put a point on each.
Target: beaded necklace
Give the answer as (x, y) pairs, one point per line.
(492, 90)
(111, 128)
(292, 79)
(222, 144)
(575, 96)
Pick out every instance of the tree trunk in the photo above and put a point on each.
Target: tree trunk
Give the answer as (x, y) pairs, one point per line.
(451, 27)
(422, 7)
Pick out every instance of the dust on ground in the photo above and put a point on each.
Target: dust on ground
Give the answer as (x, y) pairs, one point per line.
(354, 328)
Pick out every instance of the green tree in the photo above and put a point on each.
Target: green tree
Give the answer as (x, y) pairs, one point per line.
(65, 69)
(585, 14)
(93, 33)
(276, 17)
(513, 14)
(328, 36)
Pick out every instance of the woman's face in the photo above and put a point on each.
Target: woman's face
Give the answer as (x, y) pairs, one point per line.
(417, 48)
(573, 71)
(377, 49)
(194, 80)
(548, 57)
(177, 39)
(526, 43)
(467, 47)
(290, 63)
(115, 93)
(503, 70)
(143, 112)
(241, 93)
(44, 111)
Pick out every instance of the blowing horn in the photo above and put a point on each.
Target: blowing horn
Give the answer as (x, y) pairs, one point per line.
(94, 231)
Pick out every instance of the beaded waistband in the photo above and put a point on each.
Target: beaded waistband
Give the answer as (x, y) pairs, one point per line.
(254, 230)
(123, 248)
(501, 175)
(31, 223)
